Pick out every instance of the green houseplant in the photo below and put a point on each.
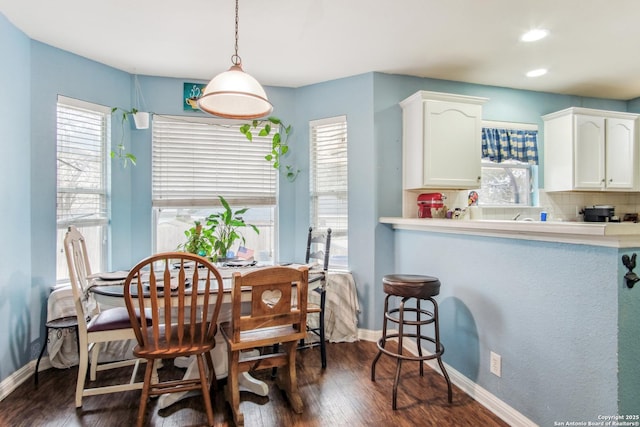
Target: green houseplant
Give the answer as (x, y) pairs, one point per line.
(225, 229)
(119, 151)
(222, 231)
(279, 144)
(199, 240)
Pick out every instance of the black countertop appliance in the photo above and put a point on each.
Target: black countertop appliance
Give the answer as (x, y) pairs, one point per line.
(599, 213)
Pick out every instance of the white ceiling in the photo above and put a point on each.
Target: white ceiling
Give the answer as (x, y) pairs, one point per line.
(592, 50)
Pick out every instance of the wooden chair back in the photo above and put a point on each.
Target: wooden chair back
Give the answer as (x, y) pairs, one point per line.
(179, 321)
(75, 250)
(274, 292)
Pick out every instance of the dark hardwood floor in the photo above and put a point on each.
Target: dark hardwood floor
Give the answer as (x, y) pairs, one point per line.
(341, 395)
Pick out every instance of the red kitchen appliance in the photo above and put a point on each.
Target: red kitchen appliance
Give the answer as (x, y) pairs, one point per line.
(428, 201)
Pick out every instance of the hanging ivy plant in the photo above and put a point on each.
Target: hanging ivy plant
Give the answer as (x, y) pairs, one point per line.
(119, 151)
(279, 145)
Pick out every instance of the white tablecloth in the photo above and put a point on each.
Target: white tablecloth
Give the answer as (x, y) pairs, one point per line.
(341, 308)
(341, 321)
(62, 345)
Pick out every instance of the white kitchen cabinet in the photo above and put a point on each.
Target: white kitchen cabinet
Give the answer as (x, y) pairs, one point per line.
(590, 150)
(442, 141)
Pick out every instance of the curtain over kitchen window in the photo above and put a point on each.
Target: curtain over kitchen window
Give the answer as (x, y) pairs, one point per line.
(499, 145)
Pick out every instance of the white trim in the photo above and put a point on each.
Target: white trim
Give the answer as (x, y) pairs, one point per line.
(78, 103)
(327, 121)
(606, 234)
(508, 125)
(505, 412)
(13, 381)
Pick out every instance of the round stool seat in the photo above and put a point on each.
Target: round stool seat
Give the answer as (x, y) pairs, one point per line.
(411, 285)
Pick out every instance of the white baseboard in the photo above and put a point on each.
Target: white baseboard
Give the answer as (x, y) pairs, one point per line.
(477, 393)
(15, 379)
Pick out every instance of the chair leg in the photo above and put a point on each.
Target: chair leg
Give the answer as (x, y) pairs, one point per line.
(287, 379)
(95, 352)
(276, 348)
(232, 391)
(323, 342)
(212, 384)
(82, 371)
(204, 383)
(145, 392)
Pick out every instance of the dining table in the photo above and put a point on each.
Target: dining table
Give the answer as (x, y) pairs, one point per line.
(108, 291)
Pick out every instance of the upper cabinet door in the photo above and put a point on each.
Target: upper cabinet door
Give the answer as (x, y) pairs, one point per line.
(587, 149)
(589, 153)
(442, 141)
(452, 144)
(620, 153)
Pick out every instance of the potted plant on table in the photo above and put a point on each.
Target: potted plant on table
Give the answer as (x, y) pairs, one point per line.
(222, 231)
(198, 242)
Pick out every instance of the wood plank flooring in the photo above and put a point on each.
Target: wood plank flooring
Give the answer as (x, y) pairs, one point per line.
(341, 395)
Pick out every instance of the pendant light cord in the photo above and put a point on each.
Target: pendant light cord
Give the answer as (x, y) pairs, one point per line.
(235, 59)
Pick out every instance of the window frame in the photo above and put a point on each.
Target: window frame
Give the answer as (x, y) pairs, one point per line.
(339, 233)
(208, 132)
(94, 229)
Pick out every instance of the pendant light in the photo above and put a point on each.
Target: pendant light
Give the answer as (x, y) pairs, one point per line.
(234, 94)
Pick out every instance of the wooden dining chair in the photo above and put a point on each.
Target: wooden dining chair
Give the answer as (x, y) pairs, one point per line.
(272, 317)
(95, 326)
(318, 250)
(179, 316)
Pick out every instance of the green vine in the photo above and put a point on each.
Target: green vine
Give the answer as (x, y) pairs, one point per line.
(119, 151)
(279, 145)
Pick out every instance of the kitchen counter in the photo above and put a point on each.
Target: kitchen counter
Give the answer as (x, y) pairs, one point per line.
(615, 235)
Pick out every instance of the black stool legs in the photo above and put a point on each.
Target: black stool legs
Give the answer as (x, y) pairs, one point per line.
(422, 317)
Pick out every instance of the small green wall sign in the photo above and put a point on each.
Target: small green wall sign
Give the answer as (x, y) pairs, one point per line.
(192, 91)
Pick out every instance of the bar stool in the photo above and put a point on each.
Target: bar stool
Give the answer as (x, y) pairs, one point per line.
(69, 322)
(418, 287)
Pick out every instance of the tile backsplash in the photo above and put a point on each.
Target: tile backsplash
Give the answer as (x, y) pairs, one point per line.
(560, 206)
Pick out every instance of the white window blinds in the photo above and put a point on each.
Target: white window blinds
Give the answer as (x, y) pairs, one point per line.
(328, 177)
(82, 133)
(197, 159)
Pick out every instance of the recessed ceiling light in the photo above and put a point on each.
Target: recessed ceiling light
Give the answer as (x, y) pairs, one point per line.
(534, 35)
(537, 73)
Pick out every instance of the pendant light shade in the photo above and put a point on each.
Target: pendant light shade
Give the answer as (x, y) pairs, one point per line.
(234, 94)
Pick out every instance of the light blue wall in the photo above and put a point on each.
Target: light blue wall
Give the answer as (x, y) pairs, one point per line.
(19, 323)
(550, 310)
(628, 344)
(481, 310)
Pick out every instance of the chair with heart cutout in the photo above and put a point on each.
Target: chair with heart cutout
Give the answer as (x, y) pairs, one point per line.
(273, 316)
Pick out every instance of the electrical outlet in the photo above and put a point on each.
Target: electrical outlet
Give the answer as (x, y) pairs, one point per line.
(496, 364)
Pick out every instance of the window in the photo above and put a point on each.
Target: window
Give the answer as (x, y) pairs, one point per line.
(510, 156)
(505, 184)
(82, 178)
(328, 184)
(194, 160)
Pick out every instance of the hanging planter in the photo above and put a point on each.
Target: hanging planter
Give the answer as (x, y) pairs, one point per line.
(141, 119)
